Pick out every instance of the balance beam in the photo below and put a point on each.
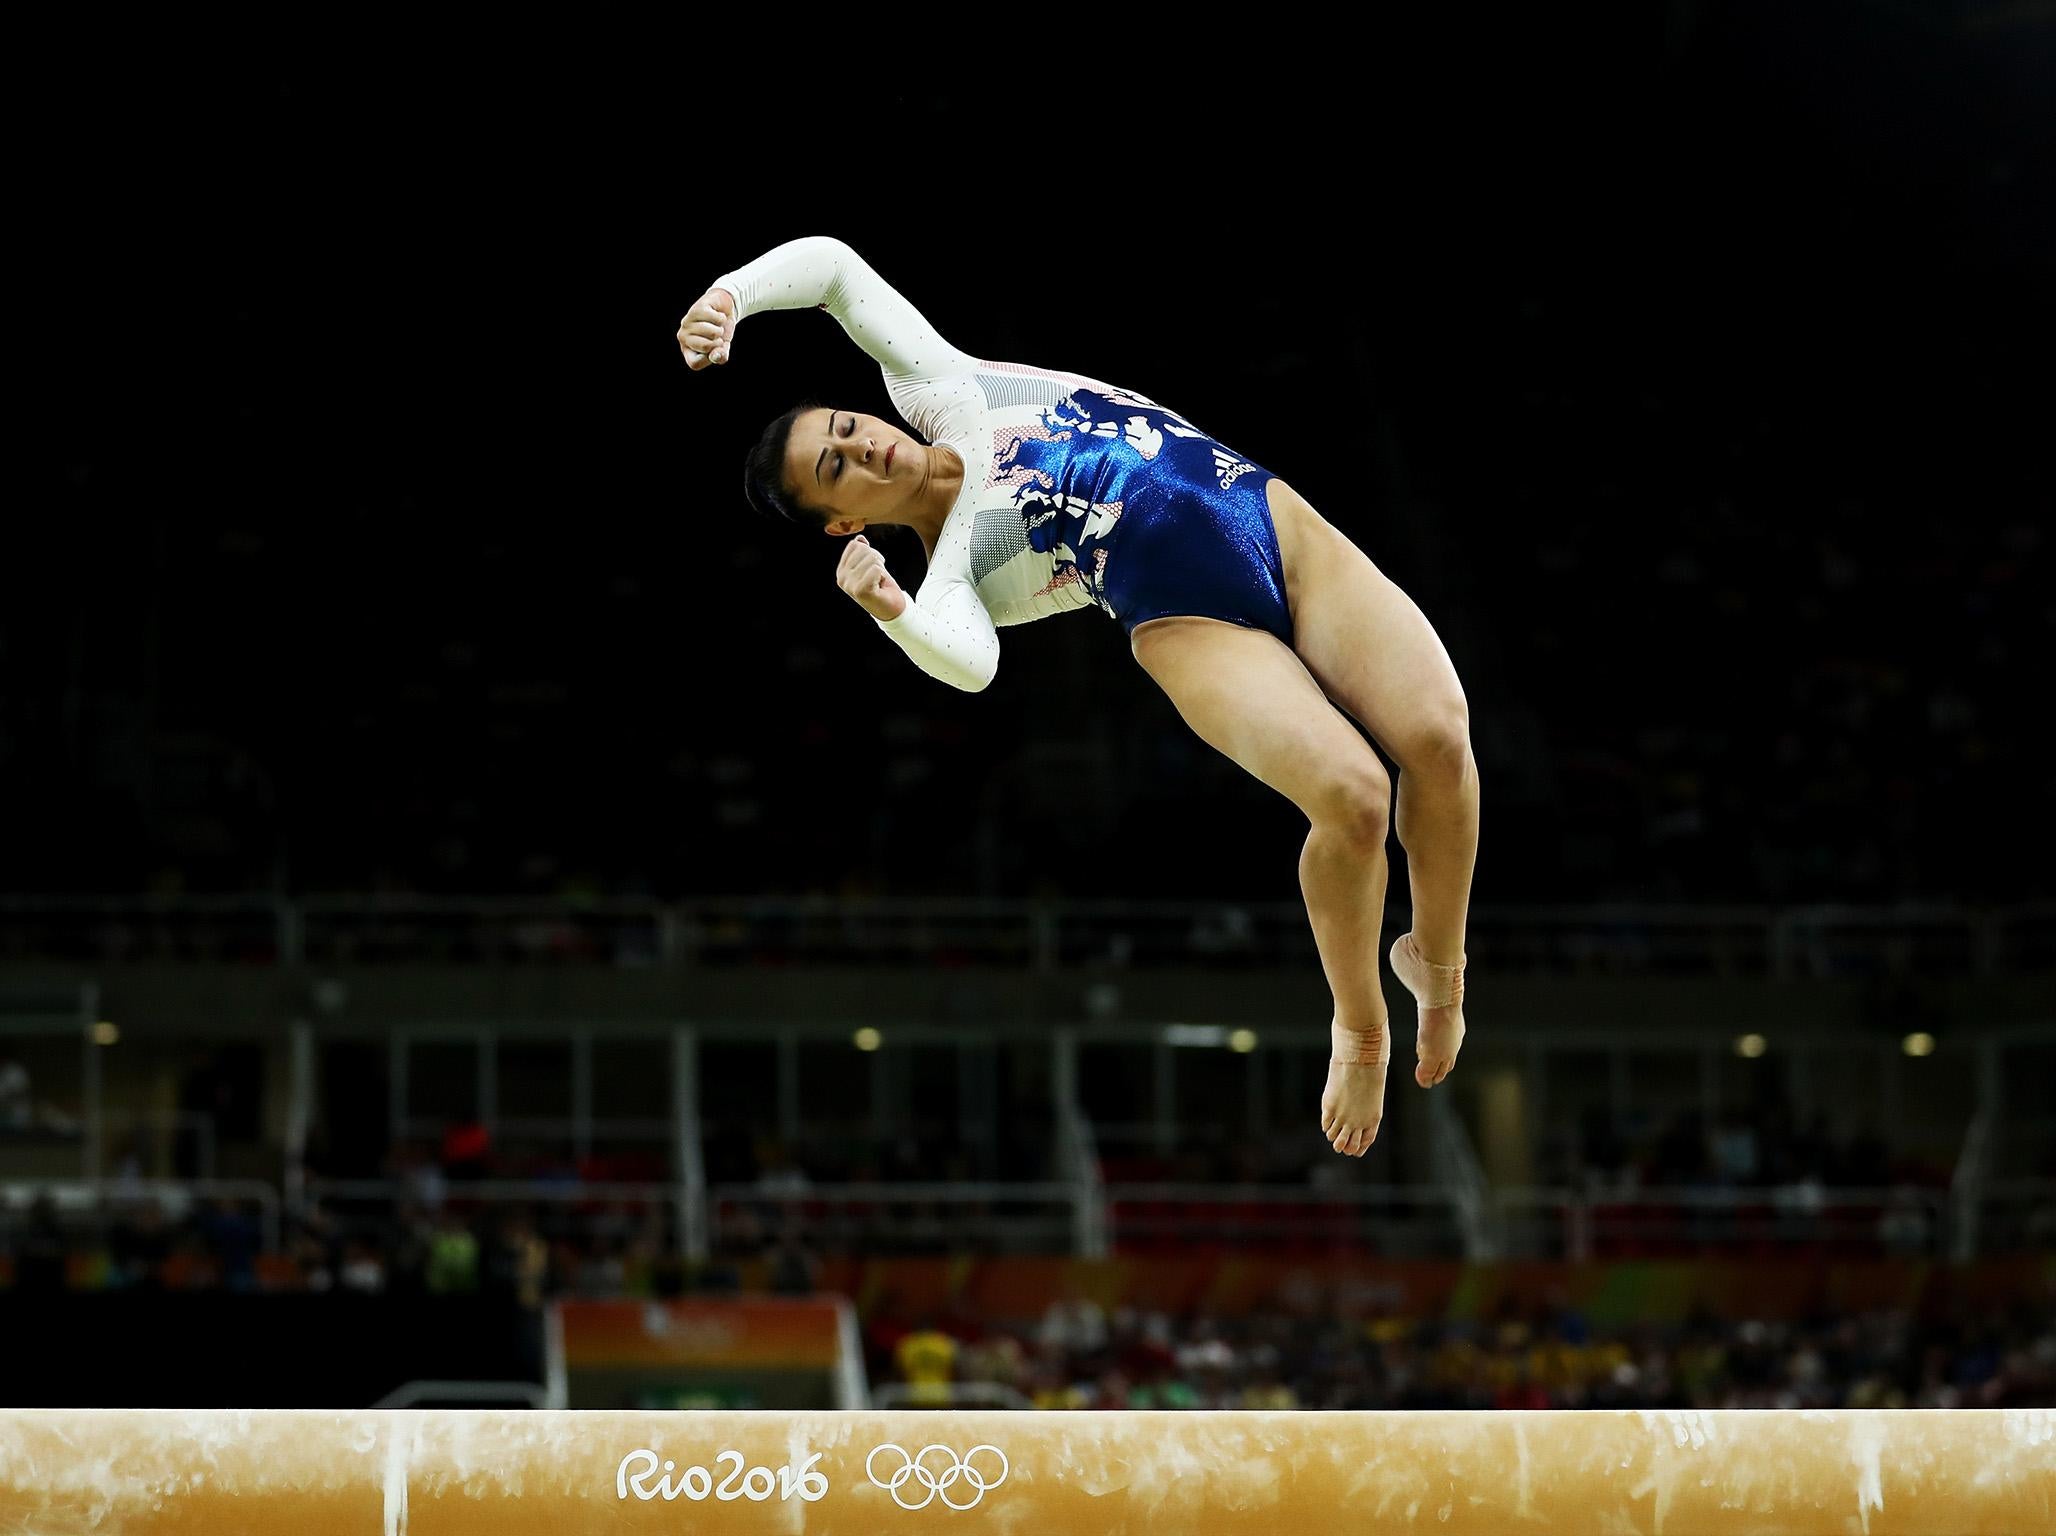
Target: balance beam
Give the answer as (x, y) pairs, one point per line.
(433, 1473)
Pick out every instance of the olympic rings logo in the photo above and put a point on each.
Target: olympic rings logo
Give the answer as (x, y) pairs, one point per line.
(914, 1469)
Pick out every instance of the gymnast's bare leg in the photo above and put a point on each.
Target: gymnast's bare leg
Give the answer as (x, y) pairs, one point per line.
(1374, 653)
(1245, 692)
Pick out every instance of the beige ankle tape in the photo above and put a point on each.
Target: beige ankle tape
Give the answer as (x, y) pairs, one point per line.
(1433, 986)
(1358, 1047)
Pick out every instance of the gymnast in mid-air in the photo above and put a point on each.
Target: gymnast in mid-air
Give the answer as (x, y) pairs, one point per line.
(1035, 492)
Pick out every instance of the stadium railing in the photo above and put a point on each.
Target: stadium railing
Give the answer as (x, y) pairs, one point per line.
(1792, 942)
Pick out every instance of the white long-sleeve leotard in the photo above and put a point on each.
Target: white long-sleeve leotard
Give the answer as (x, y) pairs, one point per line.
(986, 570)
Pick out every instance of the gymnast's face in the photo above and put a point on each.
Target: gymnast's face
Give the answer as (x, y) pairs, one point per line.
(854, 468)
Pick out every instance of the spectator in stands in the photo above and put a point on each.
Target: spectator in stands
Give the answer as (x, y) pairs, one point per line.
(517, 1263)
(1053, 1389)
(16, 1110)
(1074, 1323)
(138, 1246)
(603, 1268)
(39, 1261)
(927, 1360)
(1903, 1227)
(792, 1269)
(363, 1270)
(996, 1359)
(452, 1258)
(231, 1235)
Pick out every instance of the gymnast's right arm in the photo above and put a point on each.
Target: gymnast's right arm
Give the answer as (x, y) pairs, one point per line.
(821, 272)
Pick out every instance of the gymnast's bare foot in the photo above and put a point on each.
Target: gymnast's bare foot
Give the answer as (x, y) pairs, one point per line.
(1438, 998)
(1354, 1101)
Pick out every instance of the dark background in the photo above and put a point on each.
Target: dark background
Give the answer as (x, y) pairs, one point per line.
(1689, 365)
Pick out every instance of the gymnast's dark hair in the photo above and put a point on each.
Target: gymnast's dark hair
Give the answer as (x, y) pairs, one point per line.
(763, 480)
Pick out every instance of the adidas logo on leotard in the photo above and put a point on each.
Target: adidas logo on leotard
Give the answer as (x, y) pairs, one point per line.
(1228, 469)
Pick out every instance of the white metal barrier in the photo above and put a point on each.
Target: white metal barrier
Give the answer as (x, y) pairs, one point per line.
(1416, 1220)
(175, 1197)
(1583, 1224)
(1684, 940)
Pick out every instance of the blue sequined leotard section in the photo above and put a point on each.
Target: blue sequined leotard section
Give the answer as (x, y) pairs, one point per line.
(1150, 514)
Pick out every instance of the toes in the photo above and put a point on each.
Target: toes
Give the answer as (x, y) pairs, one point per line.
(1358, 1140)
(1432, 1069)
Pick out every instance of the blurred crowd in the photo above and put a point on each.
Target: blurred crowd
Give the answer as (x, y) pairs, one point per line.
(595, 1248)
(604, 1243)
(1080, 1356)
(1765, 1149)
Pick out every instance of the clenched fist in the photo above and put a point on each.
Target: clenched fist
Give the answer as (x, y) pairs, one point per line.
(862, 574)
(707, 330)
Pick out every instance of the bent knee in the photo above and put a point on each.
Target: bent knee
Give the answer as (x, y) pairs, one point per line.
(1358, 805)
(1441, 747)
